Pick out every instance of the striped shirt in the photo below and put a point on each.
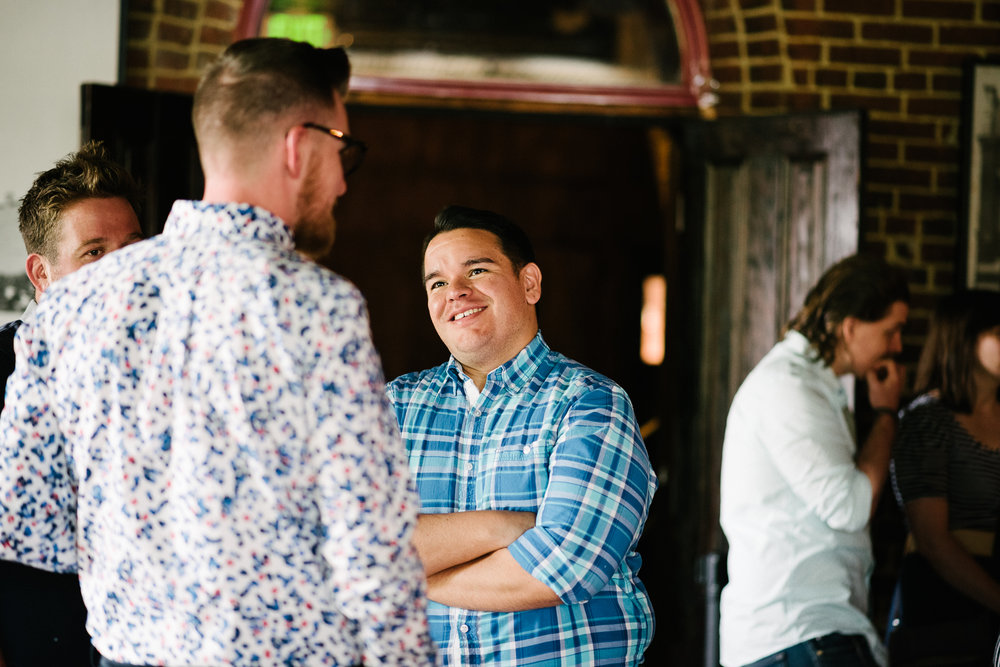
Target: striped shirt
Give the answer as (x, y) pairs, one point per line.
(935, 457)
(551, 436)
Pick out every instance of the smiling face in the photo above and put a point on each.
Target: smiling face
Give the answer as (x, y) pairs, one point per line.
(483, 311)
(89, 229)
(865, 344)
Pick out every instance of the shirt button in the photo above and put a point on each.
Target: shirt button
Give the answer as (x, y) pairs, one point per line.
(527, 449)
(464, 628)
(468, 466)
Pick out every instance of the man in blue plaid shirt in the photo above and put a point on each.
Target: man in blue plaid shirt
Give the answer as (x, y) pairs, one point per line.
(533, 479)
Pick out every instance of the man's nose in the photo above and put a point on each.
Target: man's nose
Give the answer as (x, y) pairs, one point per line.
(458, 288)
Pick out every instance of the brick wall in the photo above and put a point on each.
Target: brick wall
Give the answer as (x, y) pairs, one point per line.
(170, 41)
(901, 60)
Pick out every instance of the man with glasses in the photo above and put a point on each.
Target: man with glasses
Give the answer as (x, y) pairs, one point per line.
(212, 446)
(533, 479)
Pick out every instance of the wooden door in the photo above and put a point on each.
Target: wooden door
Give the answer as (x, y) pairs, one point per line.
(769, 204)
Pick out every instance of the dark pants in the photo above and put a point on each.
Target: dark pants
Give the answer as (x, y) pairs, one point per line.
(834, 650)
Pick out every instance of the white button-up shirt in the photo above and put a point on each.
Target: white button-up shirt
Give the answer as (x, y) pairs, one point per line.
(794, 509)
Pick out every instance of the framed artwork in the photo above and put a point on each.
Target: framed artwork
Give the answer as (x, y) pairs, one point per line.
(980, 215)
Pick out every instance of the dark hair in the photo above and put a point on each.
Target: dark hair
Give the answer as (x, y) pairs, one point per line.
(857, 286)
(513, 241)
(949, 355)
(88, 173)
(255, 80)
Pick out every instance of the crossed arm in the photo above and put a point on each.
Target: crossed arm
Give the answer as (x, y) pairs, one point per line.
(468, 565)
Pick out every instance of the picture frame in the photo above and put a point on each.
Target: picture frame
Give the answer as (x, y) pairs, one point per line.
(979, 220)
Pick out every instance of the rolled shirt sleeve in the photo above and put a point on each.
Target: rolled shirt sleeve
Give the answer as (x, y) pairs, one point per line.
(599, 489)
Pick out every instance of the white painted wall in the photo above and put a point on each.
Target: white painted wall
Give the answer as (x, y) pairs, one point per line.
(47, 49)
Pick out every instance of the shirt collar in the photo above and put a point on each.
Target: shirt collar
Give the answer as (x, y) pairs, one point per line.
(191, 217)
(515, 373)
(800, 346)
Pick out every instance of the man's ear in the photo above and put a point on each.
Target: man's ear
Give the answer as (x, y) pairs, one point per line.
(531, 280)
(294, 159)
(39, 272)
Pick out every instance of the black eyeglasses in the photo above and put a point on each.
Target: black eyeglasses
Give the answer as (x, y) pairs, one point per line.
(353, 152)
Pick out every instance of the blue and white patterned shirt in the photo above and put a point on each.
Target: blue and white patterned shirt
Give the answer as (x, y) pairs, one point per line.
(198, 424)
(551, 436)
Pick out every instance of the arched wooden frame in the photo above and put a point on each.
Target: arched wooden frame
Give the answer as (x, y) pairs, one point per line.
(695, 89)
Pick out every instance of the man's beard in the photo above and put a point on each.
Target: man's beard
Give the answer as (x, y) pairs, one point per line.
(315, 229)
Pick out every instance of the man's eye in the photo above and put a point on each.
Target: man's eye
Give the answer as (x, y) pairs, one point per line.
(94, 252)
(434, 285)
(477, 271)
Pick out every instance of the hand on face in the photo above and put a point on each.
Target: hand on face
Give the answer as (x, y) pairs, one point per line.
(885, 384)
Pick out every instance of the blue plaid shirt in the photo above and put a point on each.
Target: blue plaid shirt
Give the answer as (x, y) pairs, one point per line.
(551, 436)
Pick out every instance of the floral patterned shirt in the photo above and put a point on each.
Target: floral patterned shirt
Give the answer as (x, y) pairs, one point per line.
(197, 424)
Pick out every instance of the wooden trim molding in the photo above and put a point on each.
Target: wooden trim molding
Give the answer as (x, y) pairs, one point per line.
(695, 90)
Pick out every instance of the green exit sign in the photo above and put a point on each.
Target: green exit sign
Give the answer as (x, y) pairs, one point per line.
(315, 29)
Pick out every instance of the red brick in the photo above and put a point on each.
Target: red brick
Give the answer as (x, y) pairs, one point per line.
(753, 4)
(942, 154)
(766, 23)
(991, 12)
(877, 150)
(175, 34)
(827, 77)
(136, 58)
(903, 249)
(183, 9)
(947, 180)
(819, 28)
(224, 11)
(135, 80)
(870, 80)
(804, 101)
(804, 51)
(872, 247)
(938, 9)
(767, 73)
(767, 99)
(897, 225)
(176, 84)
(948, 82)
(731, 102)
(720, 25)
(725, 49)
(933, 106)
(143, 6)
(799, 5)
(969, 35)
(211, 35)
(899, 176)
(174, 60)
(942, 252)
(939, 58)
(800, 77)
(939, 227)
(870, 102)
(877, 199)
(909, 81)
(763, 47)
(914, 202)
(944, 278)
(881, 7)
(909, 129)
(864, 55)
(728, 74)
(898, 32)
(138, 29)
